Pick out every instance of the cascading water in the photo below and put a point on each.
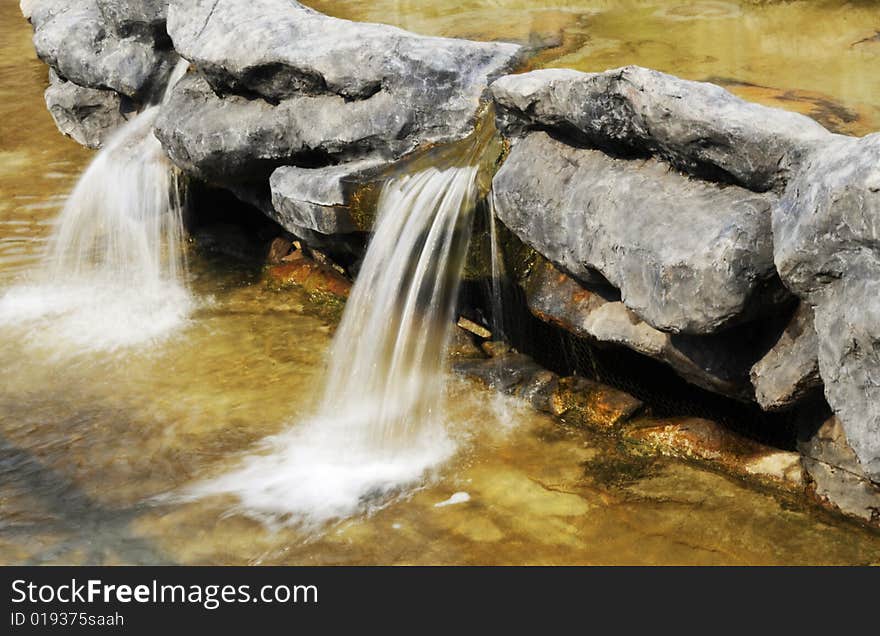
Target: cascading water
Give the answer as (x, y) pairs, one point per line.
(115, 269)
(379, 427)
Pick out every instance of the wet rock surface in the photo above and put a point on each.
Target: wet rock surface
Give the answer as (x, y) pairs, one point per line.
(838, 479)
(704, 440)
(715, 363)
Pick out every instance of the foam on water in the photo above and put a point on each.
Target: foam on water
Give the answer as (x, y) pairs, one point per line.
(313, 474)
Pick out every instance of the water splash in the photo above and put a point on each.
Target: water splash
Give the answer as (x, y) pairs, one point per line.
(114, 274)
(380, 428)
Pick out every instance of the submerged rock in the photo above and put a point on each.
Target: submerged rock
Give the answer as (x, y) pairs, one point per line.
(512, 373)
(827, 251)
(573, 400)
(707, 441)
(697, 127)
(94, 43)
(582, 402)
(283, 84)
(790, 370)
(88, 115)
(687, 256)
(299, 271)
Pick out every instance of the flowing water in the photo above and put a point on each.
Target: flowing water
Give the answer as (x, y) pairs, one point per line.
(91, 445)
(113, 274)
(380, 427)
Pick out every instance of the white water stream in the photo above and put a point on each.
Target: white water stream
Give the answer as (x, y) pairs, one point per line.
(379, 428)
(114, 272)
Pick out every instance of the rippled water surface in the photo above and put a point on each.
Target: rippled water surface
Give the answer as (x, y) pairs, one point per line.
(95, 448)
(814, 56)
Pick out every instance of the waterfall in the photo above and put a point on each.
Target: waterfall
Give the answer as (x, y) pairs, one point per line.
(391, 342)
(379, 427)
(115, 274)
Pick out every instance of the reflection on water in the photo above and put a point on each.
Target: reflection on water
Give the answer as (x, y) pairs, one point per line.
(818, 57)
(88, 445)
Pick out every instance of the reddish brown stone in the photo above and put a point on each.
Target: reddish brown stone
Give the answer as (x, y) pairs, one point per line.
(299, 271)
(707, 441)
(278, 249)
(582, 402)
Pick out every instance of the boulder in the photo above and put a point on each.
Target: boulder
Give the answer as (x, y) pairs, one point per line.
(827, 251)
(233, 139)
(838, 479)
(282, 84)
(687, 256)
(87, 115)
(790, 370)
(87, 42)
(697, 127)
(716, 363)
(320, 199)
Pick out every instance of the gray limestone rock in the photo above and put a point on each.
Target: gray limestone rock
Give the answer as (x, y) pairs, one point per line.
(697, 127)
(86, 42)
(790, 370)
(827, 250)
(687, 256)
(284, 84)
(87, 115)
(320, 198)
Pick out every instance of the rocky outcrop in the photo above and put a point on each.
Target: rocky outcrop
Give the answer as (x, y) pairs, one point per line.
(87, 115)
(827, 251)
(687, 256)
(100, 44)
(280, 84)
(698, 207)
(698, 128)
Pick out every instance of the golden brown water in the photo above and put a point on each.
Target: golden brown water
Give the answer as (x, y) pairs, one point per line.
(88, 441)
